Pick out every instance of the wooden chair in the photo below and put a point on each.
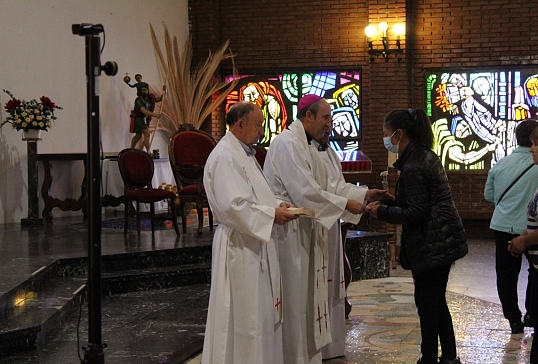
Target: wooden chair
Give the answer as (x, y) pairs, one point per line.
(136, 169)
(188, 151)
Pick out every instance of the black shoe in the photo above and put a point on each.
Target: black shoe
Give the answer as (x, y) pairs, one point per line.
(420, 361)
(449, 361)
(517, 327)
(527, 321)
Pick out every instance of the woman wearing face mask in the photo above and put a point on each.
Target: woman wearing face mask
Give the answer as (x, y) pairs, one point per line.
(432, 231)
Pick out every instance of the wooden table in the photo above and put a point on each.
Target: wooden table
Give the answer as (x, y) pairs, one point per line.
(68, 204)
(111, 182)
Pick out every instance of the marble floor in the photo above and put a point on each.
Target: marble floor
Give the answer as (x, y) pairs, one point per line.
(383, 325)
(384, 329)
(163, 324)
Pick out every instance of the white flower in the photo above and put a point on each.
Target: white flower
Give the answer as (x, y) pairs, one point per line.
(30, 114)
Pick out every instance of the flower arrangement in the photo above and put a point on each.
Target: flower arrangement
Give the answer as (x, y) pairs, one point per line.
(24, 115)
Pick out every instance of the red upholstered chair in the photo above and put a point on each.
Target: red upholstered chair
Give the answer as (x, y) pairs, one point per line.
(188, 151)
(260, 155)
(136, 169)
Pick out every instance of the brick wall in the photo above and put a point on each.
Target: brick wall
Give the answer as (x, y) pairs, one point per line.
(284, 34)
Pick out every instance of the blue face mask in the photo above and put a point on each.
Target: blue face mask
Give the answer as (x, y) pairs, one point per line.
(388, 144)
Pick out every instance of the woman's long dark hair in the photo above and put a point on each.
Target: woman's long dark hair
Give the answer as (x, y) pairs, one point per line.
(414, 122)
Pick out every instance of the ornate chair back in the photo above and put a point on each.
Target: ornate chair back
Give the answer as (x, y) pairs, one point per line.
(188, 152)
(136, 169)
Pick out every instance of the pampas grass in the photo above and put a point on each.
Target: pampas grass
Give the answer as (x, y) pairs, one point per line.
(190, 96)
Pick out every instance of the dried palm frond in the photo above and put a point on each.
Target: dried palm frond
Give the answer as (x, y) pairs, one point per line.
(190, 96)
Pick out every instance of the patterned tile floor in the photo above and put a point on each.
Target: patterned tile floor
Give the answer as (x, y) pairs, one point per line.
(384, 328)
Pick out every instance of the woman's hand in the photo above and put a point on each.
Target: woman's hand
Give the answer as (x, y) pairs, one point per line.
(373, 206)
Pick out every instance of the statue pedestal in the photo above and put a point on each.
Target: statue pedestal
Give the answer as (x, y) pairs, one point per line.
(33, 219)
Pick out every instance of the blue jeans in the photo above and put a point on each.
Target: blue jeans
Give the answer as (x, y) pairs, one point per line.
(435, 318)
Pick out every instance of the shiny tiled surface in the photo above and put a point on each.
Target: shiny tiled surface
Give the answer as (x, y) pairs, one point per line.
(148, 327)
(383, 327)
(155, 326)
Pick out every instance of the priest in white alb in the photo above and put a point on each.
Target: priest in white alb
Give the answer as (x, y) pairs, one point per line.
(298, 175)
(245, 302)
(335, 278)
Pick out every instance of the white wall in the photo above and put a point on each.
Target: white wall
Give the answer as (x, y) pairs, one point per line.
(39, 56)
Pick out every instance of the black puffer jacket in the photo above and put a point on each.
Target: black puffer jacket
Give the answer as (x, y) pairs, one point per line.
(432, 231)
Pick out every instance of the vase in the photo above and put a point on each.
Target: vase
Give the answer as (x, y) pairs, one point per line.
(31, 134)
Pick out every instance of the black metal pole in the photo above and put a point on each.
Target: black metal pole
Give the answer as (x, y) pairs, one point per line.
(93, 69)
(94, 349)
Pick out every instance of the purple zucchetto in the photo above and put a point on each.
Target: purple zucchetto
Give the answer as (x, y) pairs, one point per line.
(308, 100)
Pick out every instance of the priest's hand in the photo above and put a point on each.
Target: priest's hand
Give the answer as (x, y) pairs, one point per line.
(355, 207)
(375, 195)
(286, 204)
(283, 215)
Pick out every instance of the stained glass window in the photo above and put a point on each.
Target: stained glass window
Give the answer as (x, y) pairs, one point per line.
(278, 95)
(474, 113)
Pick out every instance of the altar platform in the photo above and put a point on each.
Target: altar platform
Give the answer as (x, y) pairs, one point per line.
(155, 293)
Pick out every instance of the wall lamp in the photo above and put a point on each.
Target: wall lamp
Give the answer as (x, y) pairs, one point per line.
(385, 51)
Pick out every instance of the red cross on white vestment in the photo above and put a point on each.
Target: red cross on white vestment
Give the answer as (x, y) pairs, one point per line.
(278, 302)
(342, 282)
(325, 316)
(319, 319)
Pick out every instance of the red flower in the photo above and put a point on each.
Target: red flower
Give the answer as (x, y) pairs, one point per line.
(47, 103)
(12, 104)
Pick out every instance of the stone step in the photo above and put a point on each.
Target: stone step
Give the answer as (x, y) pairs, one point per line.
(35, 309)
(155, 278)
(35, 315)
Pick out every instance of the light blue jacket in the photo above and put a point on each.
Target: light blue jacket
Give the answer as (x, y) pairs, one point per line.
(510, 216)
